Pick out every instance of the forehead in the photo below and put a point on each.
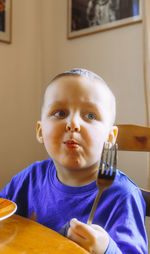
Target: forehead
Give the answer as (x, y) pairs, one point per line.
(77, 88)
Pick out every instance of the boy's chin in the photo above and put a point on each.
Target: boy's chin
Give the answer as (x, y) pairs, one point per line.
(78, 165)
(73, 164)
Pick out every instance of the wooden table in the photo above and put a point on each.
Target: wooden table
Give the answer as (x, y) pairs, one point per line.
(19, 235)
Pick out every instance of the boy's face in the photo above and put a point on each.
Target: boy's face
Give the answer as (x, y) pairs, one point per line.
(76, 121)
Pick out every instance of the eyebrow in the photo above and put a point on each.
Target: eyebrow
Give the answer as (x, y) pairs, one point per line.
(60, 103)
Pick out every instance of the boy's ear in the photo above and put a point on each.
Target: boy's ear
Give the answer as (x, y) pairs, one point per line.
(113, 135)
(39, 132)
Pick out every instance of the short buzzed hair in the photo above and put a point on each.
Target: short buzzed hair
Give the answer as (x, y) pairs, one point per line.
(84, 73)
(78, 72)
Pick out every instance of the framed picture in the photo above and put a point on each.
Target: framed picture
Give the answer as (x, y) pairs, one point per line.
(5, 20)
(92, 16)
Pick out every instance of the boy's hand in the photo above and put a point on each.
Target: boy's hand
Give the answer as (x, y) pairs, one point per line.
(91, 237)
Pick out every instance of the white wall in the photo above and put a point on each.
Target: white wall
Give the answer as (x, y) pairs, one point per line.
(20, 82)
(116, 55)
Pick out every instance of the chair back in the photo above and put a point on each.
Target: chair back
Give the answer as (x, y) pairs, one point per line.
(135, 138)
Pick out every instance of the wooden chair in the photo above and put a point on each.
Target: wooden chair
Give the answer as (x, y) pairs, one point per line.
(135, 138)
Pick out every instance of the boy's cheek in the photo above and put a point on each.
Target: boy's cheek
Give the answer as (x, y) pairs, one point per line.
(52, 131)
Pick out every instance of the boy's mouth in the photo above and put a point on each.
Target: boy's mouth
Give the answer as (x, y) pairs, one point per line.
(71, 144)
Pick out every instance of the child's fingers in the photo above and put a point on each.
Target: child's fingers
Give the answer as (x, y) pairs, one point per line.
(91, 237)
(78, 239)
(75, 237)
(98, 228)
(82, 229)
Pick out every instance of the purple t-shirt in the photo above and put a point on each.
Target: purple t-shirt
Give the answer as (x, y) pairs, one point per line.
(121, 208)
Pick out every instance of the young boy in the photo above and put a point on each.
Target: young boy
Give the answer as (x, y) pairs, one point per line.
(77, 117)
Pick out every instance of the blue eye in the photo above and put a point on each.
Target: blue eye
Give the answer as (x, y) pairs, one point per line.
(60, 114)
(90, 116)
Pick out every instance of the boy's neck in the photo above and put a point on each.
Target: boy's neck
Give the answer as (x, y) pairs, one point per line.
(76, 177)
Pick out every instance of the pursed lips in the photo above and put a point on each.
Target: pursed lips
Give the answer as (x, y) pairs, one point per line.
(71, 143)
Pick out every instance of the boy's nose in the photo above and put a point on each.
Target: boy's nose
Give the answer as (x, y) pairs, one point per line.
(73, 126)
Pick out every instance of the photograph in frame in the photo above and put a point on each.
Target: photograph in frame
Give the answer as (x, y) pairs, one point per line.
(91, 16)
(5, 21)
